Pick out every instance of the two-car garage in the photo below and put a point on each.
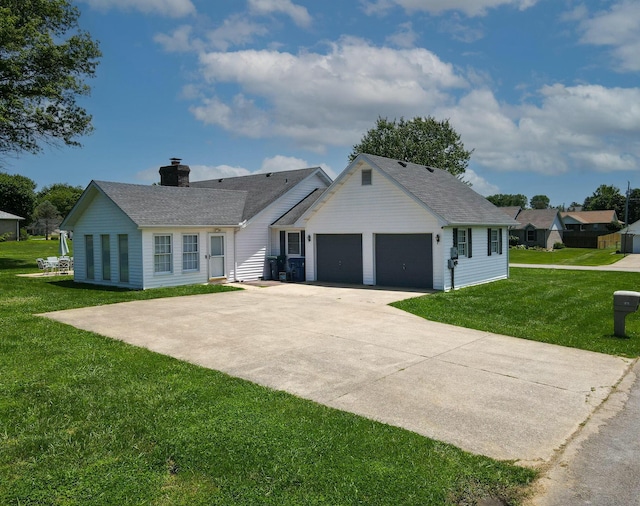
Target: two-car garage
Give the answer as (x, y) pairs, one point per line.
(402, 260)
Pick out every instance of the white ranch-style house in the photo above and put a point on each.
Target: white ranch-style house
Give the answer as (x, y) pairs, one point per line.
(381, 222)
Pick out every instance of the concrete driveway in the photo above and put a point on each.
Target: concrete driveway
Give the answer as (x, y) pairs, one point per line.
(489, 394)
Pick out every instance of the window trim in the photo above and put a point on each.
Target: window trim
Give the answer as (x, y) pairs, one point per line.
(191, 254)
(367, 177)
(466, 244)
(288, 245)
(533, 231)
(494, 246)
(156, 255)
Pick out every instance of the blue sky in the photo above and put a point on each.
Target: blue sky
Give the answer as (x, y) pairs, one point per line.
(546, 92)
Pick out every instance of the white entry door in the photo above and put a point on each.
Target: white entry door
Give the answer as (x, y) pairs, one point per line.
(216, 256)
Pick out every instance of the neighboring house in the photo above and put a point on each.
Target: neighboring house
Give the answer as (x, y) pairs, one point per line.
(382, 222)
(583, 228)
(537, 227)
(393, 223)
(586, 221)
(181, 233)
(10, 226)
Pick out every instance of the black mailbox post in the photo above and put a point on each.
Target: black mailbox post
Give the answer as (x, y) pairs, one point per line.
(624, 302)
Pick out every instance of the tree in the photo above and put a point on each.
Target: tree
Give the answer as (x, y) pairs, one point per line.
(47, 216)
(634, 206)
(17, 195)
(508, 200)
(421, 140)
(44, 57)
(63, 196)
(540, 202)
(606, 197)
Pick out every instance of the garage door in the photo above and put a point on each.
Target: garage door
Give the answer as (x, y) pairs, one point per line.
(404, 260)
(339, 258)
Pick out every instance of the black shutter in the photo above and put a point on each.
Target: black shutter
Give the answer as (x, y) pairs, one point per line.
(469, 242)
(302, 244)
(488, 242)
(455, 237)
(282, 242)
(500, 243)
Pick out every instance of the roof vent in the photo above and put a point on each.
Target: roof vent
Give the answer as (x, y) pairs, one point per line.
(220, 180)
(269, 174)
(404, 164)
(430, 169)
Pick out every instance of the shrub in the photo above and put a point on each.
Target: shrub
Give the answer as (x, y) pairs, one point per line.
(558, 245)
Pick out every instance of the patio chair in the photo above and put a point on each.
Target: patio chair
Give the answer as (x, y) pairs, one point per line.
(42, 265)
(64, 265)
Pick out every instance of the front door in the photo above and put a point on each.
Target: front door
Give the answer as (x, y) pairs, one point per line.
(216, 256)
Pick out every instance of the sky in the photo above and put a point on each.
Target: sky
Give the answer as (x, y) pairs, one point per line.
(545, 92)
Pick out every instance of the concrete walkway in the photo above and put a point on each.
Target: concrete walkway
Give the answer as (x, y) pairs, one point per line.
(489, 394)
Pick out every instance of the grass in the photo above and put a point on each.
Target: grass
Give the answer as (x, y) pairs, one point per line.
(89, 420)
(565, 256)
(569, 308)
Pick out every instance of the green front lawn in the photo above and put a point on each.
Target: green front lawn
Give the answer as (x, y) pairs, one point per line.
(569, 308)
(565, 256)
(87, 420)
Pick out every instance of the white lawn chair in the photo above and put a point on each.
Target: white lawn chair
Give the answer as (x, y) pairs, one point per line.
(42, 265)
(64, 265)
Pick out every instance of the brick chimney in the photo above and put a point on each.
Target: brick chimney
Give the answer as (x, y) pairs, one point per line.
(175, 174)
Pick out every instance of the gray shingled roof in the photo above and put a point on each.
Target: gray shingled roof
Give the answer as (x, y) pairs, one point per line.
(149, 206)
(443, 193)
(262, 189)
(9, 216)
(291, 216)
(511, 211)
(541, 219)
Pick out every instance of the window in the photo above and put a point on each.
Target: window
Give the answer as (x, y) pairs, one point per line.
(293, 243)
(190, 256)
(531, 235)
(88, 249)
(162, 254)
(366, 177)
(106, 257)
(123, 257)
(494, 241)
(462, 241)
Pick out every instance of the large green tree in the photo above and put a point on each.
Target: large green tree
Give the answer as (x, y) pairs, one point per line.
(508, 200)
(47, 217)
(606, 197)
(17, 195)
(539, 202)
(425, 141)
(63, 196)
(44, 59)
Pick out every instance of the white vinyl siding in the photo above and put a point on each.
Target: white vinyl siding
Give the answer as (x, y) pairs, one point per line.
(381, 208)
(481, 267)
(103, 217)
(254, 241)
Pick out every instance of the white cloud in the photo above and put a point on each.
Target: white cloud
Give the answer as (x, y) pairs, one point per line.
(405, 36)
(479, 184)
(235, 31)
(586, 127)
(619, 28)
(279, 163)
(468, 7)
(172, 8)
(323, 99)
(297, 13)
(179, 41)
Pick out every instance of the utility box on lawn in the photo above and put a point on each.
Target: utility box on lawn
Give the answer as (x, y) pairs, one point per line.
(624, 302)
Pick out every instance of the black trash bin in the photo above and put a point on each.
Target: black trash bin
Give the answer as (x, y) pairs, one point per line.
(296, 268)
(273, 267)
